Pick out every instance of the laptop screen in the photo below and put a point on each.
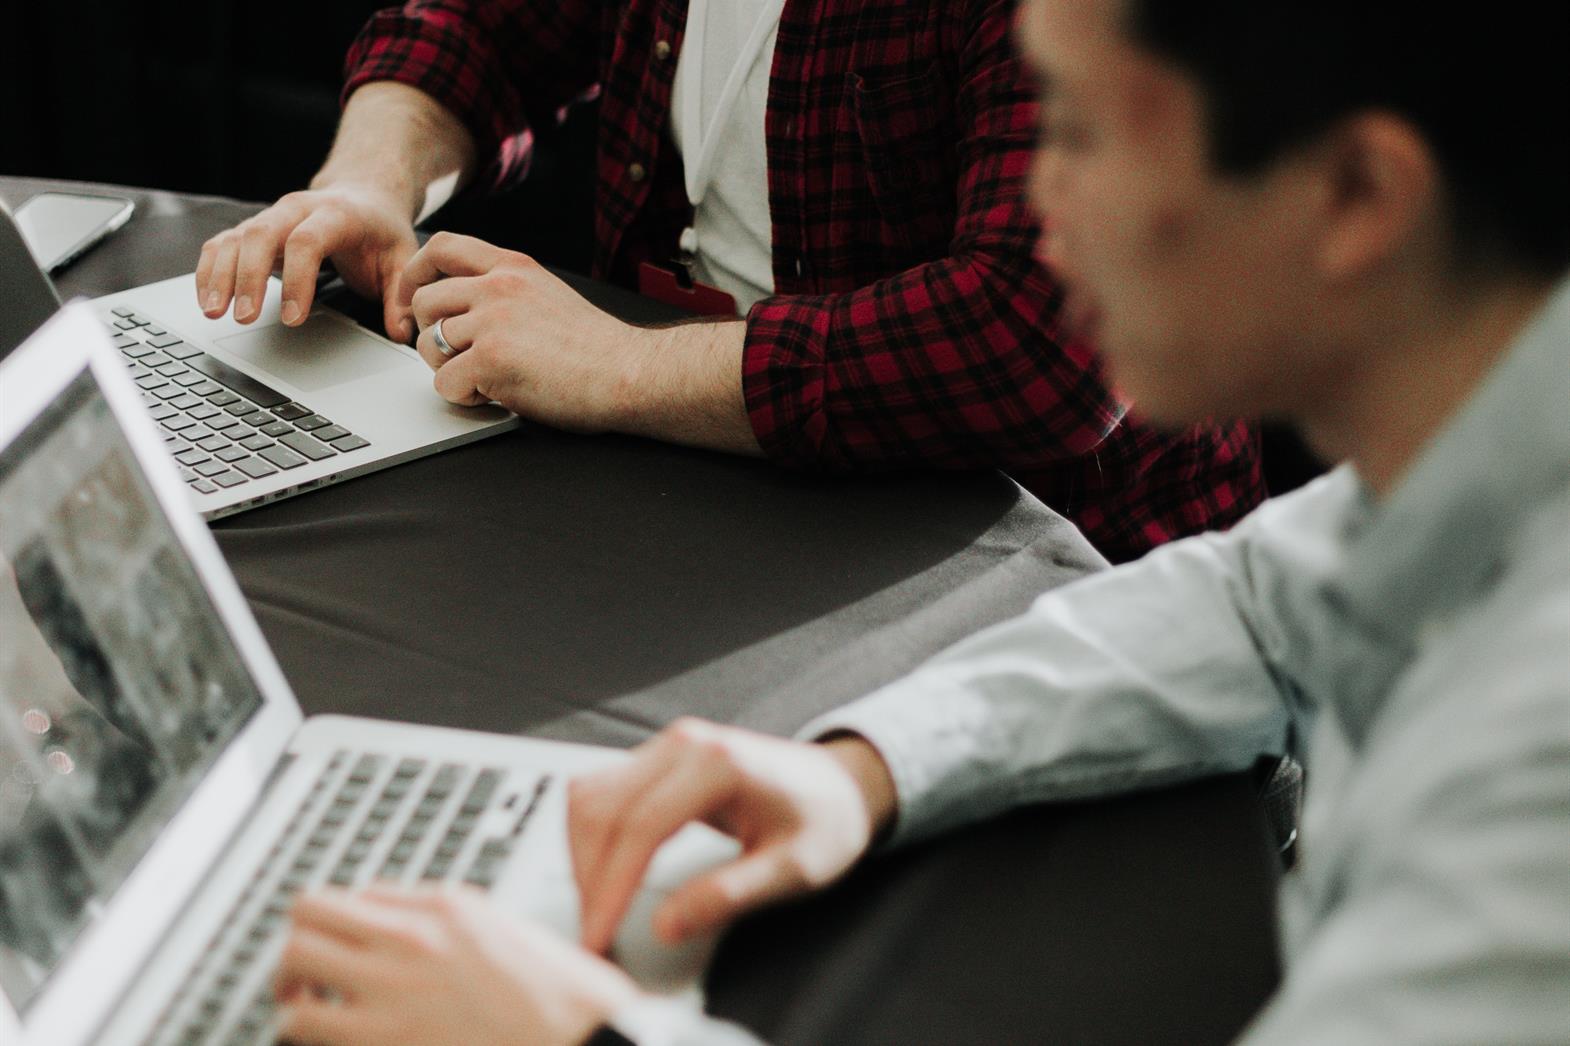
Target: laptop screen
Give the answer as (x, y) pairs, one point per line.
(119, 686)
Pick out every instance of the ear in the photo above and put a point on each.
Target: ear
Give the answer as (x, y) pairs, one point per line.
(1383, 194)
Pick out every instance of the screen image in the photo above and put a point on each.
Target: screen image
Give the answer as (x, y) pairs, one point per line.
(119, 685)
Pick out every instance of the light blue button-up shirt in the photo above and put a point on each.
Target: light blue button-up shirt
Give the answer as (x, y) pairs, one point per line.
(1414, 653)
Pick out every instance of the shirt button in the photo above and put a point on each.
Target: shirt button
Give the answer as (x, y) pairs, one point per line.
(662, 49)
(636, 172)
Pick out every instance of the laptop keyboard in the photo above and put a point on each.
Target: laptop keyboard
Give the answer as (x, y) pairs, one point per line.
(223, 427)
(403, 818)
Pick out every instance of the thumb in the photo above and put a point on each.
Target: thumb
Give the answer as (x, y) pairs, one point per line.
(398, 316)
(708, 902)
(399, 320)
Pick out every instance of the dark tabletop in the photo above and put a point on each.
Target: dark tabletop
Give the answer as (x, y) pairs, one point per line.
(594, 588)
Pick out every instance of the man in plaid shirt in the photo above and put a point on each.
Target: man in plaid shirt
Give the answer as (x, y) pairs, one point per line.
(906, 321)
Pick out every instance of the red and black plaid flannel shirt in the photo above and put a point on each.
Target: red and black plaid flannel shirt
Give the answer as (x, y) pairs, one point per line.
(911, 324)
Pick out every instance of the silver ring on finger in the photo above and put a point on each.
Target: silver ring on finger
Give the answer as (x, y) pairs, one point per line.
(441, 340)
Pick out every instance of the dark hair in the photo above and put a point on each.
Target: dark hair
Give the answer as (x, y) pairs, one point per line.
(1486, 85)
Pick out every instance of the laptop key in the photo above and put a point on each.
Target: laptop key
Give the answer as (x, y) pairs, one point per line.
(351, 442)
(192, 456)
(189, 378)
(240, 407)
(178, 423)
(210, 468)
(181, 350)
(125, 341)
(291, 411)
(213, 443)
(244, 384)
(207, 388)
(123, 311)
(221, 398)
(152, 381)
(198, 433)
(202, 486)
(330, 433)
(202, 411)
(163, 341)
(228, 479)
(256, 419)
(156, 360)
(231, 454)
(187, 401)
(254, 468)
(168, 392)
(310, 446)
(277, 428)
(314, 421)
(162, 411)
(220, 421)
(283, 457)
(256, 442)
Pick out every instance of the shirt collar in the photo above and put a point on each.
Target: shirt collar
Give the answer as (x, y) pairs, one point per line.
(1434, 544)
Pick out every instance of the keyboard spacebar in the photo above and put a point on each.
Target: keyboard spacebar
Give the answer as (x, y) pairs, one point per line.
(244, 384)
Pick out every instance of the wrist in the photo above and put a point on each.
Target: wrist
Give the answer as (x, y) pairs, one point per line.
(598, 1005)
(389, 193)
(873, 779)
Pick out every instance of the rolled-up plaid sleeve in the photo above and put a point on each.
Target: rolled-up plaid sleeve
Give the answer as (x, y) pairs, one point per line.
(501, 66)
(961, 362)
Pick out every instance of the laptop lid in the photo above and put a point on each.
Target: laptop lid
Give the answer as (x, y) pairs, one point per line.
(29, 297)
(141, 712)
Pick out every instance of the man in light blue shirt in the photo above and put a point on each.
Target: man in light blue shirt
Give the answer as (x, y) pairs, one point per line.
(1299, 210)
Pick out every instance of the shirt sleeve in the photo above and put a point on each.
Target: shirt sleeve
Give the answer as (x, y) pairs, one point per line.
(656, 1021)
(959, 363)
(1162, 670)
(500, 66)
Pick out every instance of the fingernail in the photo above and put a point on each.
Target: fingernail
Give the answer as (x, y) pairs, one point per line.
(291, 313)
(212, 301)
(242, 307)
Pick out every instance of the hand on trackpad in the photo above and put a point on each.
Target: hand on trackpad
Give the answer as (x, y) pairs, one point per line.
(322, 352)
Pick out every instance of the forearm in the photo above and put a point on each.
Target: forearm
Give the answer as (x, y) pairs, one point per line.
(683, 385)
(1159, 671)
(400, 143)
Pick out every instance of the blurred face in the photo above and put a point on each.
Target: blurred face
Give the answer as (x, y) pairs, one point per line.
(1190, 283)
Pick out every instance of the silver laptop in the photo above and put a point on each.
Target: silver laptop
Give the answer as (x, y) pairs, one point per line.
(257, 412)
(161, 799)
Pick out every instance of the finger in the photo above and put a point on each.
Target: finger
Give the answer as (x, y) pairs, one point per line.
(460, 377)
(316, 959)
(261, 243)
(447, 254)
(225, 249)
(596, 801)
(206, 291)
(433, 896)
(319, 235)
(691, 792)
(713, 900)
(345, 916)
(318, 1022)
(447, 297)
(459, 332)
(395, 315)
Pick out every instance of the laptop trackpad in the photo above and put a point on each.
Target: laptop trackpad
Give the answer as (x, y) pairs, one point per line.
(322, 352)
